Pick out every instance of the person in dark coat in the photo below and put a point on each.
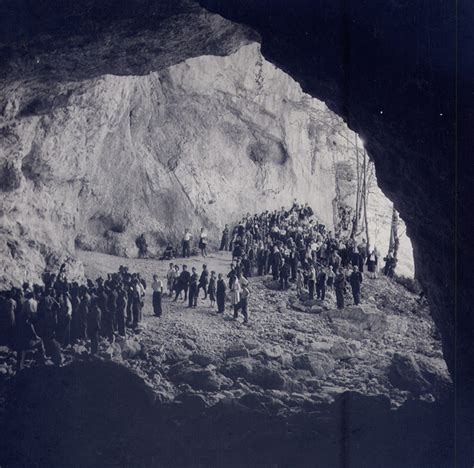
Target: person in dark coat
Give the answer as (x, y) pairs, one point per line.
(7, 320)
(284, 274)
(340, 287)
(122, 299)
(276, 262)
(193, 289)
(63, 330)
(203, 281)
(94, 321)
(82, 313)
(311, 282)
(355, 280)
(26, 338)
(262, 261)
(232, 275)
(221, 289)
(48, 311)
(183, 283)
(293, 262)
(321, 284)
(225, 239)
(246, 266)
(212, 288)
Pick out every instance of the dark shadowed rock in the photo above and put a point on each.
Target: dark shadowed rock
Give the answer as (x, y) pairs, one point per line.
(202, 359)
(236, 351)
(405, 373)
(318, 364)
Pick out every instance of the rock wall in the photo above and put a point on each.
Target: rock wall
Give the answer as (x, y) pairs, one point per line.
(198, 144)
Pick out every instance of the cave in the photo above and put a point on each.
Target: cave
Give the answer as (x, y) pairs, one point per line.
(395, 74)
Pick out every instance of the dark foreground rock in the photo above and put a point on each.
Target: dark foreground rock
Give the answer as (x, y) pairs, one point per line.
(95, 414)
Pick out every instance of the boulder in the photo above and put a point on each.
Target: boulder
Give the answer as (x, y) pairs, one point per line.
(189, 344)
(272, 352)
(235, 351)
(357, 322)
(175, 356)
(405, 374)
(318, 364)
(200, 379)
(341, 350)
(238, 369)
(131, 349)
(264, 375)
(201, 359)
(435, 371)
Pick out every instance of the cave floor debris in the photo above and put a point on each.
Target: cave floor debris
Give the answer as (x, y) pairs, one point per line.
(292, 355)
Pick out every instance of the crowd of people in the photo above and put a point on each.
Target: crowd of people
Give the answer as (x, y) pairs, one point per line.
(294, 247)
(289, 244)
(50, 317)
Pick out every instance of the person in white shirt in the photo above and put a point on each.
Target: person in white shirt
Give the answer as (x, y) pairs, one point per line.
(187, 243)
(203, 242)
(157, 287)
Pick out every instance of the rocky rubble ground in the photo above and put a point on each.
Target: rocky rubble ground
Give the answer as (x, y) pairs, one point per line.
(294, 354)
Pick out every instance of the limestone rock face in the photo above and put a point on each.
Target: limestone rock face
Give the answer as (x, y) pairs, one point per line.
(199, 143)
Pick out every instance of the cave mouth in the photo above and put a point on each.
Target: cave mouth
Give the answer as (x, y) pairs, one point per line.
(266, 168)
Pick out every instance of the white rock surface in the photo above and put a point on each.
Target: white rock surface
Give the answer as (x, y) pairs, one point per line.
(200, 143)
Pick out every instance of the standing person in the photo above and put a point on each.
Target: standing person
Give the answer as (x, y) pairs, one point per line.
(108, 315)
(175, 280)
(75, 302)
(7, 320)
(212, 288)
(330, 280)
(203, 281)
(157, 287)
(121, 309)
(372, 261)
(82, 312)
(221, 289)
(94, 321)
(193, 289)
(340, 287)
(262, 260)
(187, 243)
(182, 283)
(225, 239)
(293, 261)
(284, 274)
(299, 283)
(243, 304)
(355, 280)
(203, 242)
(362, 249)
(311, 281)
(276, 262)
(63, 331)
(235, 293)
(170, 277)
(26, 338)
(137, 302)
(321, 284)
